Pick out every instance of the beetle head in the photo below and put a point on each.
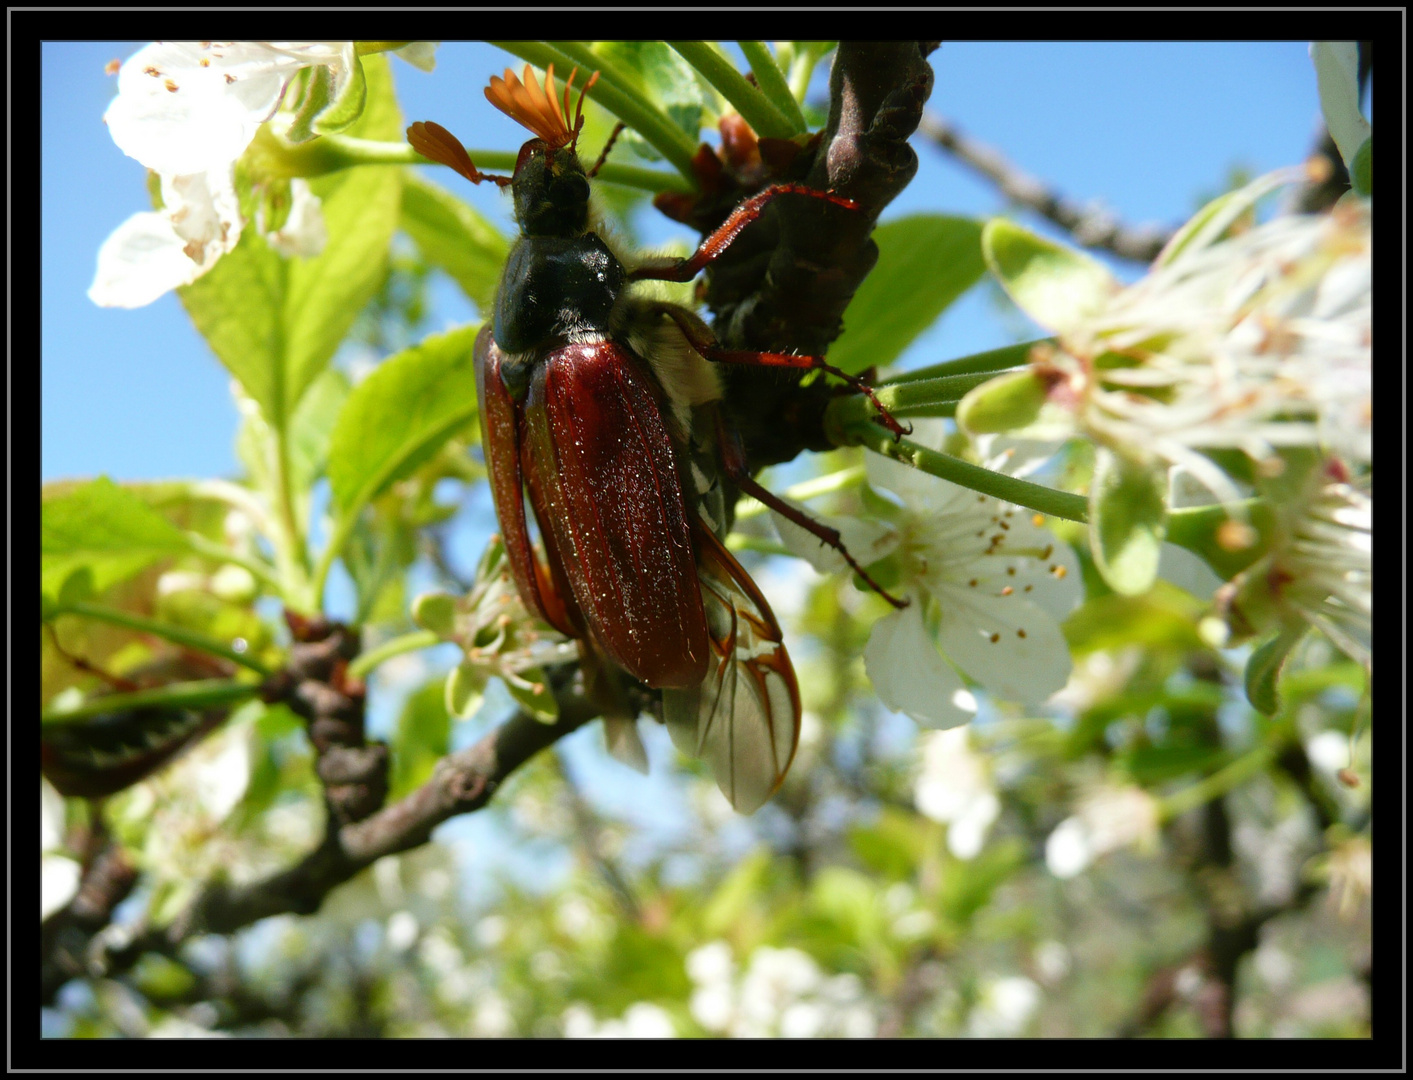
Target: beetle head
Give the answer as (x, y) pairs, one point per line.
(550, 186)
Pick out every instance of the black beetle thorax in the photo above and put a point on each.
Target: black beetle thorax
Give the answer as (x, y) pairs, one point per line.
(554, 290)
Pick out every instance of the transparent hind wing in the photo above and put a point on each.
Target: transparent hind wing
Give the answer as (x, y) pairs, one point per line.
(744, 718)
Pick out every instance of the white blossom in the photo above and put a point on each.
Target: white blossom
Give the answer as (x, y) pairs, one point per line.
(782, 992)
(985, 582)
(188, 111)
(1319, 571)
(58, 874)
(1254, 342)
(954, 787)
(1005, 1007)
(1108, 819)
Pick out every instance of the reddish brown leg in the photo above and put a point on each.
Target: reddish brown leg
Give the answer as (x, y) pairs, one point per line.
(733, 461)
(713, 245)
(697, 335)
(613, 138)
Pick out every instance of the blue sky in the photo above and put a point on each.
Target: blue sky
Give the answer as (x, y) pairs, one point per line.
(1147, 128)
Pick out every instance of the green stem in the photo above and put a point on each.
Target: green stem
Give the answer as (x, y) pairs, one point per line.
(205, 694)
(772, 83)
(242, 499)
(742, 542)
(993, 360)
(219, 552)
(807, 489)
(360, 666)
(917, 397)
(292, 556)
(807, 55)
(755, 108)
(1045, 500)
(1215, 786)
(616, 91)
(177, 634)
(343, 528)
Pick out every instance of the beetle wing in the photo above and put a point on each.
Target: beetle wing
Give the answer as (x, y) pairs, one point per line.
(605, 485)
(744, 717)
(501, 440)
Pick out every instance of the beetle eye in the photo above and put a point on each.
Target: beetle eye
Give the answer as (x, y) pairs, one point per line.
(527, 151)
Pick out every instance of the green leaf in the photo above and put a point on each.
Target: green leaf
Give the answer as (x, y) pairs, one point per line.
(237, 307)
(1149, 765)
(665, 79)
(893, 846)
(1263, 670)
(104, 532)
(1361, 169)
(925, 262)
(1127, 521)
(732, 898)
(1055, 285)
(850, 901)
(534, 695)
(1163, 618)
(423, 737)
(399, 416)
(313, 427)
(455, 238)
(360, 207)
(969, 886)
(275, 323)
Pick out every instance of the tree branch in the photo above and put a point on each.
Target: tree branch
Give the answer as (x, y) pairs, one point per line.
(784, 283)
(1090, 226)
(461, 783)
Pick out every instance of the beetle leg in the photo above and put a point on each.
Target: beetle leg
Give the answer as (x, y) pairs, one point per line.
(733, 462)
(714, 245)
(699, 337)
(613, 138)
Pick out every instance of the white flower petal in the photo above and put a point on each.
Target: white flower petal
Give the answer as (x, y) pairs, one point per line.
(1006, 643)
(154, 252)
(58, 882)
(420, 54)
(967, 834)
(142, 259)
(919, 490)
(867, 541)
(304, 234)
(205, 211)
(51, 817)
(219, 771)
(908, 673)
(1068, 849)
(186, 107)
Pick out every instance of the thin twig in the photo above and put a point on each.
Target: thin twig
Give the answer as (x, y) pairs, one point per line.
(1091, 226)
